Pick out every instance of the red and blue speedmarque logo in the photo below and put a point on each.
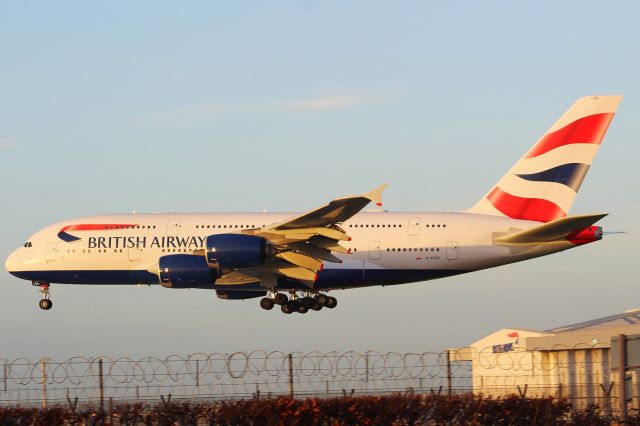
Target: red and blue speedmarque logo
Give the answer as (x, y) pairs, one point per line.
(65, 236)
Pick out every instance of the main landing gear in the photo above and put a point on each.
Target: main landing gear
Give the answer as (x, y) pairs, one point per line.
(45, 303)
(301, 304)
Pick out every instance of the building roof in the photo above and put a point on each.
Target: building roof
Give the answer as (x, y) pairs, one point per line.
(627, 318)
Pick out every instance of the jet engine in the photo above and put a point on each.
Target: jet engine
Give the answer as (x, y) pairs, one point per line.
(231, 251)
(185, 271)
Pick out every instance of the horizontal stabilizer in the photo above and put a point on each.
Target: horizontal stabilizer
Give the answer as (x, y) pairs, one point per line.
(552, 231)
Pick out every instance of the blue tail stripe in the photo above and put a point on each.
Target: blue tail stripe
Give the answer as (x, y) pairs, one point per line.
(571, 175)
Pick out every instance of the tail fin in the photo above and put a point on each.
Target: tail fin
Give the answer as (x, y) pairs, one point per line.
(543, 184)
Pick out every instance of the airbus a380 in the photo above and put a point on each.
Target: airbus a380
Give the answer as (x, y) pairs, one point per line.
(293, 260)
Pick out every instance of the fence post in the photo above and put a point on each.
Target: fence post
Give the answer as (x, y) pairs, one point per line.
(110, 410)
(4, 375)
(43, 373)
(290, 357)
(448, 372)
(622, 382)
(101, 383)
(197, 373)
(366, 366)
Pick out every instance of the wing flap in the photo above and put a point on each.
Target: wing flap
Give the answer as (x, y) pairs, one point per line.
(301, 260)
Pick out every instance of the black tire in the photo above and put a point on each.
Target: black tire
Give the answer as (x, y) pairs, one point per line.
(267, 303)
(45, 304)
(307, 302)
(293, 305)
(332, 302)
(322, 299)
(281, 299)
(285, 309)
(317, 306)
(302, 309)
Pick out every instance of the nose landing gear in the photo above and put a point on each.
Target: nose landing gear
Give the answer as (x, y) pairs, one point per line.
(45, 303)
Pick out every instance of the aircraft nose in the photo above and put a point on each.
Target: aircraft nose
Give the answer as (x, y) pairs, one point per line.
(13, 261)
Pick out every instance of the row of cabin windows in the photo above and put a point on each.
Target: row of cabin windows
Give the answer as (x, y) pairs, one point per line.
(413, 249)
(375, 226)
(183, 250)
(131, 227)
(226, 226)
(394, 226)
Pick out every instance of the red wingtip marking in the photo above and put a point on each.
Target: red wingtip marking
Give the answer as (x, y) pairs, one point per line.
(379, 204)
(349, 239)
(315, 278)
(321, 266)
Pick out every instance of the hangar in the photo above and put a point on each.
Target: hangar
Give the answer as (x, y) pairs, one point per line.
(578, 361)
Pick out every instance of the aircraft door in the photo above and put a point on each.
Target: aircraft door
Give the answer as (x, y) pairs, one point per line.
(374, 250)
(413, 226)
(51, 252)
(134, 254)
(452, 250)
(173, 227)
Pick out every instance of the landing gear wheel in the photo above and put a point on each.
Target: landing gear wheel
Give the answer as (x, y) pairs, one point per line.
(293, 305)
(45, 304)
(332, 302)
(267, 303)
(322, 299)
(286, 309)
(317, 305)
(302, 309)
(281, 298)
(307, 302)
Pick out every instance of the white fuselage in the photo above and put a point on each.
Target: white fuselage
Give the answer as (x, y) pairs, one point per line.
(386, 248)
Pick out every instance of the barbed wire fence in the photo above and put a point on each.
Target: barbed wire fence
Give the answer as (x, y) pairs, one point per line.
(227, 376)
(578, 374)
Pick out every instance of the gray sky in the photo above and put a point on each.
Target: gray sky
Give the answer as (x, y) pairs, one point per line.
(204, 106)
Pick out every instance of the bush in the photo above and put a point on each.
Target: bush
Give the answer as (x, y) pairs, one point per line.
(398, 409)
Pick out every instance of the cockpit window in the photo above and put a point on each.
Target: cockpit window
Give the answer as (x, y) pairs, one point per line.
(27, 244)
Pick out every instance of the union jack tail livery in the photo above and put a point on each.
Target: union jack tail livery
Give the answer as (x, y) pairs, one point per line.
(543, 184)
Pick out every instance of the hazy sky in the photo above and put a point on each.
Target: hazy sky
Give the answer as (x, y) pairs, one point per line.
(227, 106)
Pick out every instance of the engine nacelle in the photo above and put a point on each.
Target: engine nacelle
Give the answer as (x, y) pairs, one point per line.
(239, 295)
(236, 250)
(185, 271)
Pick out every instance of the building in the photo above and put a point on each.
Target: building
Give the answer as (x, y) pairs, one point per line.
(576, 361)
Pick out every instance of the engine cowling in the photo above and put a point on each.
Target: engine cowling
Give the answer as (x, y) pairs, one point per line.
(185, 271)
(236, 250)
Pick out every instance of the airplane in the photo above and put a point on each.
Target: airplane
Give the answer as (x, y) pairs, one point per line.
(294, 260)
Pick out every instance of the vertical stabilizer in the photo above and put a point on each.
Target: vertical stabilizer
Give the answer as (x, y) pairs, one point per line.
(543, 184)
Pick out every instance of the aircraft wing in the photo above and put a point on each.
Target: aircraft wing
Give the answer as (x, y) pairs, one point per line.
(304, 242)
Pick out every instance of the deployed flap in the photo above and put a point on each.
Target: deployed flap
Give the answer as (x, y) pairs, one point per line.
(236, 278)
(336, 211)
(551, 231)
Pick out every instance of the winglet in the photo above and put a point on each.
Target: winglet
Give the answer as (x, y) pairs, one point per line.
(376, 194)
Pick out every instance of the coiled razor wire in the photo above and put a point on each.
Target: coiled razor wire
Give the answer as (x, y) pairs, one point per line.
(248, 373)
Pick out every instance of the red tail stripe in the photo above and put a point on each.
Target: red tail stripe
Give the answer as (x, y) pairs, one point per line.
(96, 227)
(589, 129)
(524, 208)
